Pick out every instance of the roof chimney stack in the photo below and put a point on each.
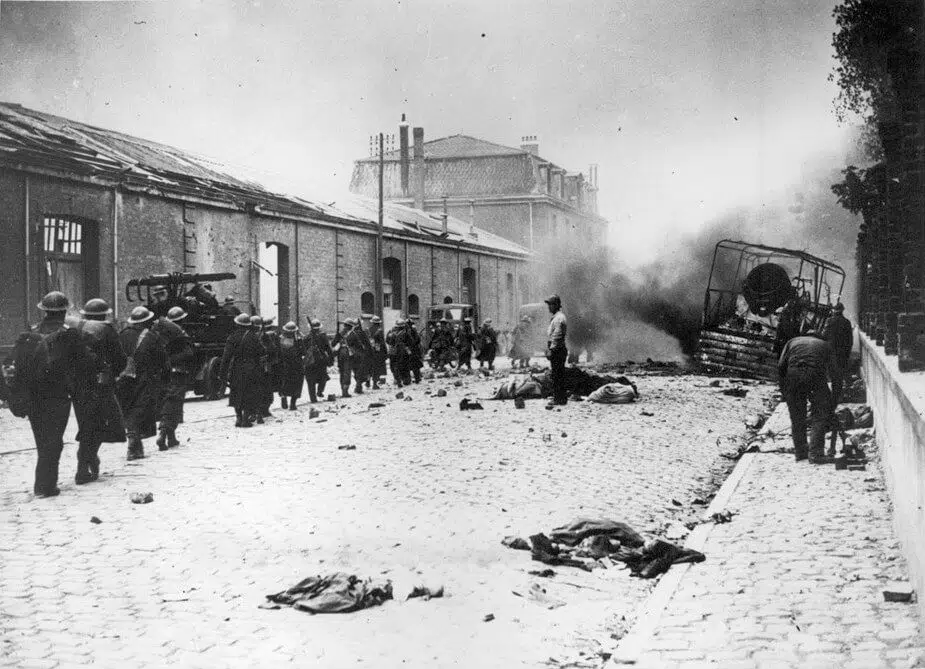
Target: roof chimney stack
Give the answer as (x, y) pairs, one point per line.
(403, 152)
(419, 168)
(530, 144)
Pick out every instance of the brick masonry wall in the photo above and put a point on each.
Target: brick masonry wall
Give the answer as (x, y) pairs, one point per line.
(15, 314)
(317, 274)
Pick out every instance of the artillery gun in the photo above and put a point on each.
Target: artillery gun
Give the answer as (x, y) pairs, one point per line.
(207, 324)
(749, 284)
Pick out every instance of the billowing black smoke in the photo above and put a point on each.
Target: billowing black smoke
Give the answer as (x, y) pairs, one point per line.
(620, 311)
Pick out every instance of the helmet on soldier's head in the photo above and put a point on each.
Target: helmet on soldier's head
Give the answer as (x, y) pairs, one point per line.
(554, 299)
(400, 321)
(242, 319)
(349, 322)
(290, 327)
(139, 315)
(96, 307)
(316, 324)
(839, 307)
(54, 301)
(375, 319)
(176, 314)
(229, 300)
(256, 320)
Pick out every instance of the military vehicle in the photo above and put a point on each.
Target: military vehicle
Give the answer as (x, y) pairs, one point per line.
(207, 324)
(749, 285)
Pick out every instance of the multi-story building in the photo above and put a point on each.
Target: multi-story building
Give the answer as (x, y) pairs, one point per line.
(512, 192)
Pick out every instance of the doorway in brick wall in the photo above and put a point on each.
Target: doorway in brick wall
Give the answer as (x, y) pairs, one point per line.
(70, 256)
(273, 283)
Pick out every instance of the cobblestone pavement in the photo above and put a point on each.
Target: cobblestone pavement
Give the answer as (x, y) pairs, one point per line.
(426, 497)
(796, 579)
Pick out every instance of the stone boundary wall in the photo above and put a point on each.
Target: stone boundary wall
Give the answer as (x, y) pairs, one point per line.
(898, 401)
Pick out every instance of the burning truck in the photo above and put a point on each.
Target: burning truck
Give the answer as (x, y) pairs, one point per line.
(749, 288)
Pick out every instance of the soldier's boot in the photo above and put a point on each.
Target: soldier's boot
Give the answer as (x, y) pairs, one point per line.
(136, 448)
(284, 402)
(292, 403)
(172, 441)
(94, 463)
(345, 391)
(246, 420)
(260, 419)
(162, 439)
(359, 389)
(312, 397)
(239, 418)
(83, 473)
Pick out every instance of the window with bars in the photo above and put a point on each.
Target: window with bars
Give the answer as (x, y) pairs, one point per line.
(63, 236)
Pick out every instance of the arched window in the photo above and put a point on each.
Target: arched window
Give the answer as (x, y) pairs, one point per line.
(367, 303)
(469, 289)
(414, 306)
(391, 283)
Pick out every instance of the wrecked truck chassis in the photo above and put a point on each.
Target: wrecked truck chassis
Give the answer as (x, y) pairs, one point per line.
(748, 285)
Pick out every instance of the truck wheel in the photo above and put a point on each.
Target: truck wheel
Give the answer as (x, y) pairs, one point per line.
(214, 387)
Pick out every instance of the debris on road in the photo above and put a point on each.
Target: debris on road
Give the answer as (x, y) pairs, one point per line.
(610, 540)
(646, 413)
(141, 497)
(538, 594)
(720, 517)
(347, 447)
(542, 573)
(441, 393)
(899, 592)
(517, 543)
(376, 405)
(399, 395)
(738, 391)
(488, 618)
(614, 393)
(335, 593)
(95, 520)
(520, 403)
(426, 592)
(313, 413)
(466, 405)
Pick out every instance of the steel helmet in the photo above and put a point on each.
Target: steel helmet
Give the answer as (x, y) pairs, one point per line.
(54, 301)
(290, 327)
(140, 315)
(316, 324)
(256, 320)
(96, 307)
(176, 314)
(242, 319)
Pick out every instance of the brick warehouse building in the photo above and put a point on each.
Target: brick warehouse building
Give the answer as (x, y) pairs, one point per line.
(83, 209)
(512, 192)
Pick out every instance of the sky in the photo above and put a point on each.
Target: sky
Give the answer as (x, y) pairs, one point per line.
(691, 108)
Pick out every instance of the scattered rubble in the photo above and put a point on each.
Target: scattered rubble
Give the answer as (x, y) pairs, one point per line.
(426, 592)
(334, 593)
(899, 592)
(141, 497)
(347, 447)
(736, 391)
(466, 405)
(95, 520)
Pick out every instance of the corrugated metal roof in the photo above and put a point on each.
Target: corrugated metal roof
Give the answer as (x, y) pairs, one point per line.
(408, 219)
(29, 138)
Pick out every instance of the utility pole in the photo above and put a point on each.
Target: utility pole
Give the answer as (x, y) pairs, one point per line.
(377, 144)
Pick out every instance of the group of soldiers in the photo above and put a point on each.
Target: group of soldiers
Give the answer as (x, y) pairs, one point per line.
(125, 386)
(451, 345)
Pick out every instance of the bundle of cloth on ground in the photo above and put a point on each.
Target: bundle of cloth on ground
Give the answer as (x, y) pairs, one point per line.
(334, 593)
(586, 541)
(577, 382)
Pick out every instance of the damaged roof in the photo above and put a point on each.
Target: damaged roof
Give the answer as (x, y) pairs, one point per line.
(32, 139)
(407, 219)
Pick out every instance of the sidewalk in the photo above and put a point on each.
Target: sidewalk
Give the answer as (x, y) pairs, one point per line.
(796, 579)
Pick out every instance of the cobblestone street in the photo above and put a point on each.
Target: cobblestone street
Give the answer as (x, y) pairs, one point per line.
(425, 498)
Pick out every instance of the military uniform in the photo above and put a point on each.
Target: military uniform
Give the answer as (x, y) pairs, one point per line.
(520, 356)
(556, 350)
(804, 368)
(318, 357)
(242, 367)
(291, 354)
(181, 356)
(464, 340)
(99, 418)
(49, 361)
(349, 350)
(270, 342)
(397, 341)
(488, 345)
(363, 357)
(140, 395)
(379, 353)
(840, 335)
(416, 355)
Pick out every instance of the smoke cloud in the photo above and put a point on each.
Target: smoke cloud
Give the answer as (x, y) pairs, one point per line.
(623, 312)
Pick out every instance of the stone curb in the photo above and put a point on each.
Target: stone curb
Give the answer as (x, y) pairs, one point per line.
(636, 642)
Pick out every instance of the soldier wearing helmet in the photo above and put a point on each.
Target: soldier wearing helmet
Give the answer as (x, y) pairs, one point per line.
(378, 354)
(142, 382)
(47, 365)
(488, 344)
(556, 350)
(99, 418)
(464, 340)
(160, 301)
(318, 357)
(399, 353)
(180, 352)
(242, 369)
(348, 347)
(416, 357)
(291, 354)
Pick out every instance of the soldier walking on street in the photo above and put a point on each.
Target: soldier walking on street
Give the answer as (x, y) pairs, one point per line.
(363, 357)
(804, 369)
(318, 357)
(488, 344)
(464, 340)
(242, 367)
(142, 383)
(379, 353)
(840, 335)
(269, 339)
(520, 355)
(291, 354)
(99, 418)
(556, 350)
(346, 345)
(180, 354)
(416, 356)
(399, 353)
(47, 363)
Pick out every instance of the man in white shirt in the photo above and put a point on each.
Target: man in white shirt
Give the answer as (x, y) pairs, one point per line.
(556, 350)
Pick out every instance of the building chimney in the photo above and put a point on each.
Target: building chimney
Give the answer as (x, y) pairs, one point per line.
(446, 216)
(403, 152)
(419, 168)
(530, 144)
